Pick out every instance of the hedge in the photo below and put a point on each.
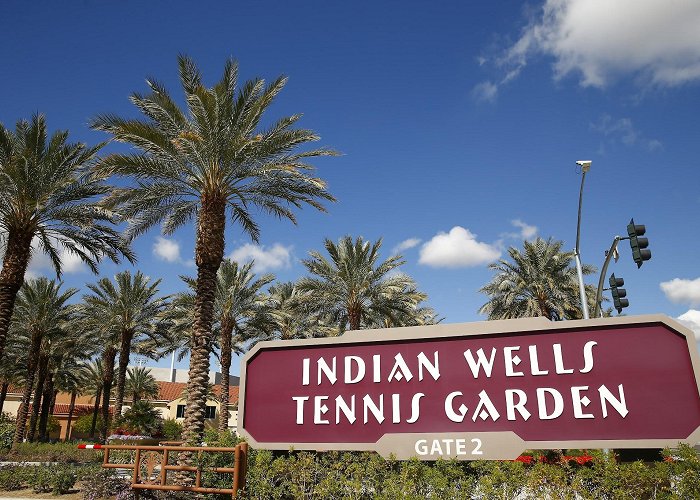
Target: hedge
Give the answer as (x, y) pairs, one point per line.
(356, 475)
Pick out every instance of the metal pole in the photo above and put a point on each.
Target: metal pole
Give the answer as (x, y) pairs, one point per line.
(172, 367)
(599, 293)
(577, 253)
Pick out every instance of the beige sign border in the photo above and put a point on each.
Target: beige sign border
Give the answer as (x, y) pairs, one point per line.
(387, 444)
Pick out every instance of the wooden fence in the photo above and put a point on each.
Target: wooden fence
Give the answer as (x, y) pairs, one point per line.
(150, 466)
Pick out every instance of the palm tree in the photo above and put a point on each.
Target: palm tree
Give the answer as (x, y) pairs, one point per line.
(48, 201)
(141, 385)
(65, 354)
(73, 377)
(293, 316)
(241, 313)
(94, 377)
(201, 164)
(539, 281)
(12, 367)
(120, 314)
(40, 314)
(354, 289)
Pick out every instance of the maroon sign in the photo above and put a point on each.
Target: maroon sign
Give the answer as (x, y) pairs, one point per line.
(477, 390)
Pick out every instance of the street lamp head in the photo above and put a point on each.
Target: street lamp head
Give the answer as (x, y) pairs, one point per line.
(584, 164)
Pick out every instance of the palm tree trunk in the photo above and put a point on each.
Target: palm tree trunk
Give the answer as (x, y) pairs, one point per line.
(14, 265)
(95, 412)
(71, 408)
(354, 316)
(23, 409)
(108, 375)
(36, 404)
(45, 408)
(124, 352)
(3, 394)
(209, 252)
(53, 400)
(226, 340)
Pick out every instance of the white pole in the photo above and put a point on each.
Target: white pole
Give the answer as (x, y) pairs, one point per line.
(577, 254)
(172, 367)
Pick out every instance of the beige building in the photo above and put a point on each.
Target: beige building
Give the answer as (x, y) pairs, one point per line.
(169, 402)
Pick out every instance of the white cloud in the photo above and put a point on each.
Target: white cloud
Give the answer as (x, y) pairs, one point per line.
(691, 319)
(624, 131)
(40, 263)
(485, 92)
(405, 245)
(682, 291)
(527, 232)
(275, 257)
(458, 248)
(655, 41)
(165, 249)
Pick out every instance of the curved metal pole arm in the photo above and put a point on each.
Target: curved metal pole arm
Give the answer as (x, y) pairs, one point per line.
(599, 293)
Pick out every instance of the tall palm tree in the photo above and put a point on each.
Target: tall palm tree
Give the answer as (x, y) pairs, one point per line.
(48, 202)
(40, 314)
(540, 280)
(141, 385)
(202, 163)
(353, 288)
(121, 313)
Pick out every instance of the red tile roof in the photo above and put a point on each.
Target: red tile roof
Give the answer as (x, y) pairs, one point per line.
(62, 409)
(169, 391)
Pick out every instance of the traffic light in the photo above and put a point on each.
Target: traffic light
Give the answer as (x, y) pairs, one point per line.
(640, 252)
(618, 294)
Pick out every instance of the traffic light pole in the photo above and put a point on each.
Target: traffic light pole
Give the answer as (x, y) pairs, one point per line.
(599, 293)
(577, 255)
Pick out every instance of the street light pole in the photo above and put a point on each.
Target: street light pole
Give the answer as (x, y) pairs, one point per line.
(585, 166)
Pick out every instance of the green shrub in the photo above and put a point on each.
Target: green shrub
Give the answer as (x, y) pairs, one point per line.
(141, 419)
(63, 480)
(52, 425)
(57, 479)
(172, 429)
(684, 470)
(500, 479)
(83, 424)
(12, 478)
(40, 481)
(48, 452)
(7, 430)
(106, 483)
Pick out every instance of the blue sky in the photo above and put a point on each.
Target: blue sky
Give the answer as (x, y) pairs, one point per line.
(459, 123)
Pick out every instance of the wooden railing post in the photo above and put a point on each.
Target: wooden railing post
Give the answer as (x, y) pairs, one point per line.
(244, 465)
(137, 467)
(163, 467)
(236, 469)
